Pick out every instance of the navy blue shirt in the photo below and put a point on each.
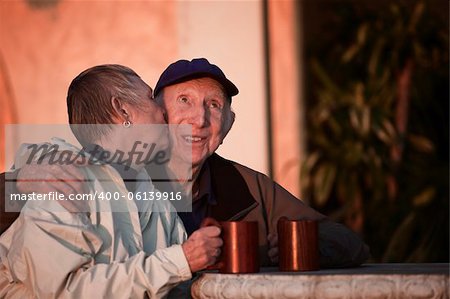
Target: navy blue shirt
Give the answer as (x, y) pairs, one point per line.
(201, 202)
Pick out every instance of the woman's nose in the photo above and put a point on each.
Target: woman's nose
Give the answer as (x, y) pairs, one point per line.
(164, 114)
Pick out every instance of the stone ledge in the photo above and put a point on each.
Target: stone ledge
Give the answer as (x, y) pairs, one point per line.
(372, 281)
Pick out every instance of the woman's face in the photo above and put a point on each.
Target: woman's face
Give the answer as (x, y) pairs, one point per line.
(148, 133)
(147, 111)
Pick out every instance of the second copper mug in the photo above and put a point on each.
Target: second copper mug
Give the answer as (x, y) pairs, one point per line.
(298, 245)
(240, 252)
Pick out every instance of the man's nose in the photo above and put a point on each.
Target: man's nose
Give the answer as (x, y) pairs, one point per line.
(200, 116)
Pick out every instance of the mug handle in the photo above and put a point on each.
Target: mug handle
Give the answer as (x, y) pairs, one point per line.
(209, 221)
(282, 219)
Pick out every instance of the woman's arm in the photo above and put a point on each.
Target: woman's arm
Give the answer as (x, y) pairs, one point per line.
(55, 258)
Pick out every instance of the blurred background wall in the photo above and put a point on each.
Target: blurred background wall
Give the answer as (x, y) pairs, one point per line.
(45, 44)
(343, 102)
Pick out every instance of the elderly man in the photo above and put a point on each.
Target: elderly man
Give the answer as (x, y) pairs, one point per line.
(198, 93)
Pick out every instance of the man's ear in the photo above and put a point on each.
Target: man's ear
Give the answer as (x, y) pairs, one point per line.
(229, 124)
(121, 109)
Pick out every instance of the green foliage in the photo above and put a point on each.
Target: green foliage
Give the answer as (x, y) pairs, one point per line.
(371, 154)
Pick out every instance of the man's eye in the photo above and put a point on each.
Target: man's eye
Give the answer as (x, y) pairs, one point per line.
(183, 99)
(215, 105)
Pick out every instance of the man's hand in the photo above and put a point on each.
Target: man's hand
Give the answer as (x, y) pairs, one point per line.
(203, 248)
(273, 247)
(46, 177)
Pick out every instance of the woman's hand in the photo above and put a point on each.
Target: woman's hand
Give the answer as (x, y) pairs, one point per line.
(202, 248)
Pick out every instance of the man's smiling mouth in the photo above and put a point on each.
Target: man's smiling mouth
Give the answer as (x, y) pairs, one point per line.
(194, 139)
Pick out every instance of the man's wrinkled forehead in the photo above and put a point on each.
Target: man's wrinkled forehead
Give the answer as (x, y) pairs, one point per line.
(205, 84)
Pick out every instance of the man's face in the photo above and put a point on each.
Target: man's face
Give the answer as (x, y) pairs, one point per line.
(202, 104)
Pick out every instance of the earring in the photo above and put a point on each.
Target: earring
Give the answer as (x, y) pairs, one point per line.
(127, 124)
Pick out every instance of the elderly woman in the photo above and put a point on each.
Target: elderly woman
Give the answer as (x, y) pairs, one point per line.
(50, 252)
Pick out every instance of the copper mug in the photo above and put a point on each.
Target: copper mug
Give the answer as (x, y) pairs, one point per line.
(298, 245)
(239, 252)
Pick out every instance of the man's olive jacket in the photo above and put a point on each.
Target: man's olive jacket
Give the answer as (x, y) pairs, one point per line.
(245, 194)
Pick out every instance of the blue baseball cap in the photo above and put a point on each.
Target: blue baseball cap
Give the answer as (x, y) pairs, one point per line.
(185, 70)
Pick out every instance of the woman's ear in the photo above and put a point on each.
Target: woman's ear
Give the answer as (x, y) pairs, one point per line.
(121, 109)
